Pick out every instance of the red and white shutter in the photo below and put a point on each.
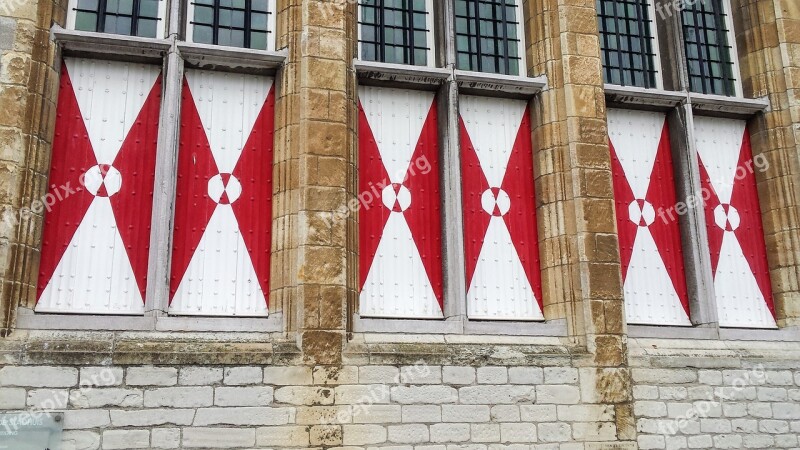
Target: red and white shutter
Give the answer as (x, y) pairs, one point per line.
(649, 232)
(500, 230)
(97, 231)
(733, 219)
(223, 212)
(399, 219)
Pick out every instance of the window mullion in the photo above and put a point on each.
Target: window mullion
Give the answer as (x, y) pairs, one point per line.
(101, 15)
(502, 28)
(248, 17)
(408, 28)
(135, 18)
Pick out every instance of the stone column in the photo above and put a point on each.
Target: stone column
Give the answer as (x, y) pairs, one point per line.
(769, 47)
(28, 90)
(314, 260)
(582, 280)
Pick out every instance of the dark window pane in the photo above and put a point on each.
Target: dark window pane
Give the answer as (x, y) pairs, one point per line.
(204, 15)
(487, 39)
(236, 23)
(202, 34)
(626, 42)
(147, 28)
(118, 25)
(258, 21)
(148, 8)
(258, 40)
(86, 21)
(125, 7)
(394, 31)
(87, 4)
(707, 48)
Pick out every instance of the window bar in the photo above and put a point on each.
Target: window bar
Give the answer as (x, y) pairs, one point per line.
(408, 28)
(725, 56)
(135, 18)
(102, 10)
(618, 39)
(606, 50)
(702, 44)
(248, 22)
(643, 49)
(648, 63)
(504, 36)
(478, 46)
(382, 29)
(215, 24)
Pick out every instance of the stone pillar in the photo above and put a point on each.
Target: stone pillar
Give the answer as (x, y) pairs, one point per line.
(28, 90)
(769, 47)
(582, 280)
(314, 260)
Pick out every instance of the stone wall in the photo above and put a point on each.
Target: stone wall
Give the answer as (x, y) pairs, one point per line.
(28, 86)
(425, 393)
(690, 394)
(287, 407)
(391, 392)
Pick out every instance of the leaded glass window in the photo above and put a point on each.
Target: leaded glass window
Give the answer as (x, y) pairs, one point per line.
(488, 36)
(395, 31)
(708, 49)
(233, 23)
(627, 42)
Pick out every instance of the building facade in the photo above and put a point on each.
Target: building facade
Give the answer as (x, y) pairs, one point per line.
(405, 224)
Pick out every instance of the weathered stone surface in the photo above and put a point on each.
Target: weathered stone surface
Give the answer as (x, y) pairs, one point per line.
(316, 384)
(218, 437)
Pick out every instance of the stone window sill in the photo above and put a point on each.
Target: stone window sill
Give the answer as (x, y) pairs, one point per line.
(400, 75)
(734, 107)
(204, 56)
(421, 77)
(661, 100)
(454, 326)
(652, 99)
(489, 83)
(213, 56)
(791, 334)
(28, 320)
(110, 45)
